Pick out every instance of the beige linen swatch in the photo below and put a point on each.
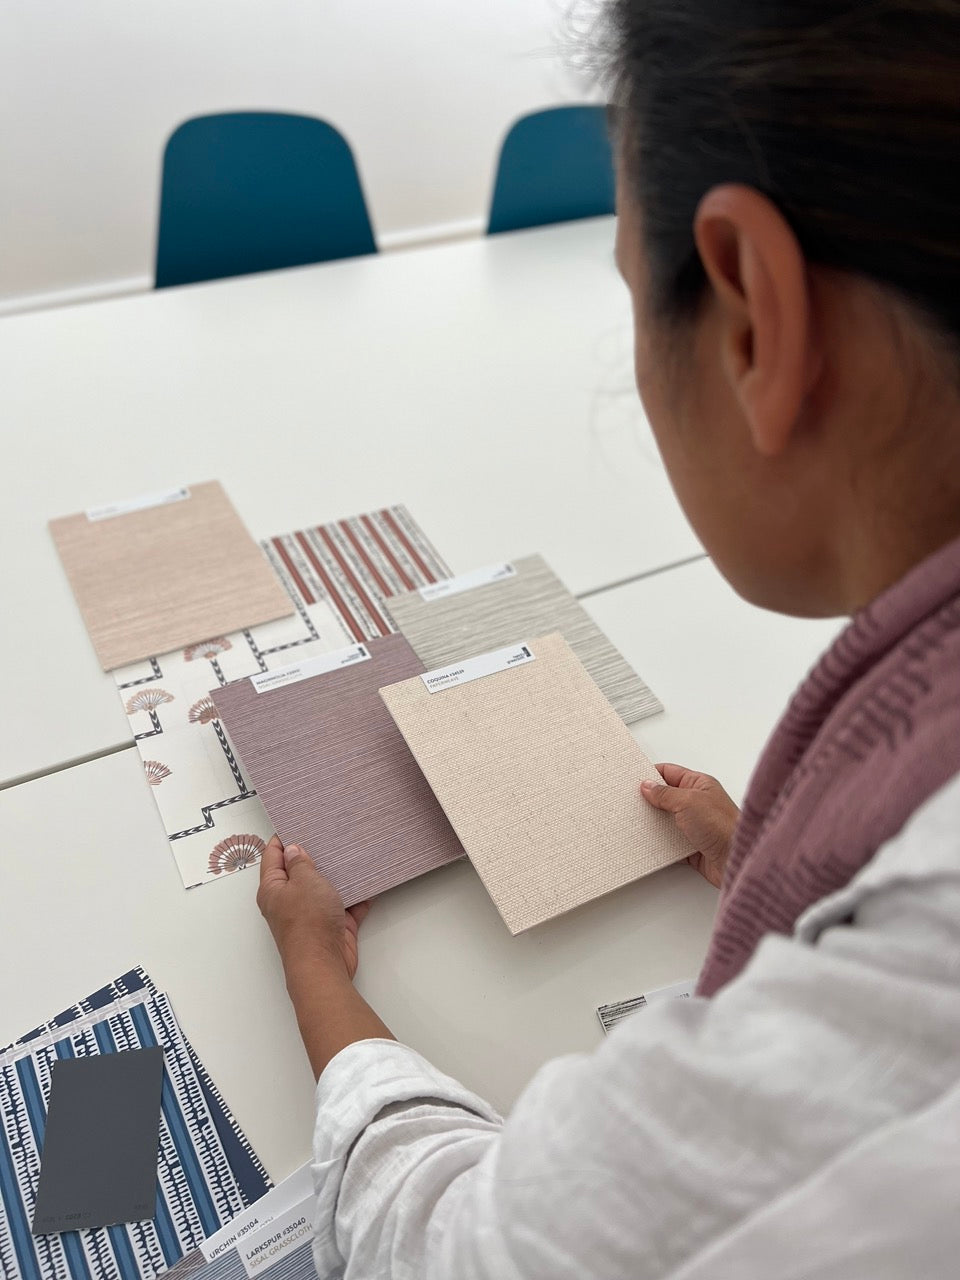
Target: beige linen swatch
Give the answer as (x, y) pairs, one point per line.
(529, 602)
(166, 576)
(539, 778)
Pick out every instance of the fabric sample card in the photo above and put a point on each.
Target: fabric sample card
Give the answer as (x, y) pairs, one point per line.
(129, 987)
(150, 578)
(198, 1190)
(334, 772)
(285, 1195)
(337, 577)
(512, 602)
(99, 1160)
(281, 1249)
(538, 775)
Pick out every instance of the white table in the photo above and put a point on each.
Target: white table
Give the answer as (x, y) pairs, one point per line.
(723, 669)
(90, 888)
(487, 384)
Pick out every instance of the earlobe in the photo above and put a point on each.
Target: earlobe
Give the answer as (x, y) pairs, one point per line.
(758, 277)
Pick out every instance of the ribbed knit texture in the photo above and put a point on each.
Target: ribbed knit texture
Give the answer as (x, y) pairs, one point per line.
(872, 732)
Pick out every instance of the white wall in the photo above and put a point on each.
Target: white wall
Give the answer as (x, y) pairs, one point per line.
(91, 89)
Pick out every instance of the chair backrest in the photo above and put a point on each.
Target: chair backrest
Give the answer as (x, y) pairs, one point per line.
(253, 191)
(555, 165)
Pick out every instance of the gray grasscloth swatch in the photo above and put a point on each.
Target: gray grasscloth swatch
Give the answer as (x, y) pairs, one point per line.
(539, 777)
(532, 602)
(165, 577)
(336, 776)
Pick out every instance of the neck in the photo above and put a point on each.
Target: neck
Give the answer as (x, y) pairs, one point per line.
(894, 524)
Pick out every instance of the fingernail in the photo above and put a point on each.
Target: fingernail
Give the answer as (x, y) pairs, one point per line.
(291, 851)
(646, 787)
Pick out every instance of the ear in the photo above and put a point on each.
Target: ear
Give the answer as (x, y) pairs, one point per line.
(758, 276)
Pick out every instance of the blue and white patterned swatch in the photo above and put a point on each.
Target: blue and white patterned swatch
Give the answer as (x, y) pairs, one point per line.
(206, 1170)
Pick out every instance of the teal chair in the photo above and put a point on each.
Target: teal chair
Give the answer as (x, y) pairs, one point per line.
(254, 191)
(555, 165)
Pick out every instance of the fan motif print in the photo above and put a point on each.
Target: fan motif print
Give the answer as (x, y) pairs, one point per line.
(338, 577)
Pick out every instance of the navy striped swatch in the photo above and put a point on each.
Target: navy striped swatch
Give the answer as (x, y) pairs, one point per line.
(199, 1190)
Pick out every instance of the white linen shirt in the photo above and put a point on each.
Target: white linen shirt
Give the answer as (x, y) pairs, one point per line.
(804, 1124)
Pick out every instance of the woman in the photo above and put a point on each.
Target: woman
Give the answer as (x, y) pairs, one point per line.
(788, 228)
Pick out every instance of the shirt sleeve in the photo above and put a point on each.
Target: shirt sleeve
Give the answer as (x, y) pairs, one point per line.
(690, 1118)
(405, 1131)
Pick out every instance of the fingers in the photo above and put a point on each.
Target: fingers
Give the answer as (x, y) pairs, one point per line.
(298, 863)
(673, 774)
(359, 912)
(271, 861)
(670, 799)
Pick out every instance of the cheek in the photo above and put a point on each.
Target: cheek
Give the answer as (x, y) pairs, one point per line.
(682, 432)
(656, 395)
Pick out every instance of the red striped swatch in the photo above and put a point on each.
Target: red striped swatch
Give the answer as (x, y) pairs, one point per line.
(335, 774)
(539, 777)
(357, 564)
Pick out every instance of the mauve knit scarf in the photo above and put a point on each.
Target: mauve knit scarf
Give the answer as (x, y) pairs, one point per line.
(870, 734)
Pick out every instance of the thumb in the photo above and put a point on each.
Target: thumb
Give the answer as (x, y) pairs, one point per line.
(297, 862)
(660, 796)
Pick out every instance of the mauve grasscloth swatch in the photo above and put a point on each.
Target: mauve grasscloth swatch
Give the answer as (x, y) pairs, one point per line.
(530, 602)
(335, 774)
(539, 777)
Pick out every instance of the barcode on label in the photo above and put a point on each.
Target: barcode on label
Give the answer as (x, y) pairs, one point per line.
(611, 1014)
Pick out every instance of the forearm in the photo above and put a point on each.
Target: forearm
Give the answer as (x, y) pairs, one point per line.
(330, 1011)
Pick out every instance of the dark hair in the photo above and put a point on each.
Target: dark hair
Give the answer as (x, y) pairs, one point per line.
(846, 115)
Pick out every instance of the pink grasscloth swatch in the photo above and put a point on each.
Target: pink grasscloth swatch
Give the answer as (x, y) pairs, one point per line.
(167, 576)
(335, 774)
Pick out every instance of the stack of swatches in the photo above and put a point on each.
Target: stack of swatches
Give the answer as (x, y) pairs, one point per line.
(167, 565)
(335, 774)
(206, 1171)
(350, 749)
(273, 1238)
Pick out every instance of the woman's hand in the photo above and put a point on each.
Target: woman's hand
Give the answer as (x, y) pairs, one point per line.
(703, 812)
(317, 941)
(305, 913)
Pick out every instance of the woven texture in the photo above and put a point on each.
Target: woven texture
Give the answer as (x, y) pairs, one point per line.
(539, 778)
(165, 577)
(335, 775)
(511, 610)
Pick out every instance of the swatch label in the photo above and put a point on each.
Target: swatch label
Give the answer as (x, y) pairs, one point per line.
(279, 1238)
(485, 664)
(287, 1194)
(611, 1014)
(266, 681)
(467, 581)
(161, 499)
